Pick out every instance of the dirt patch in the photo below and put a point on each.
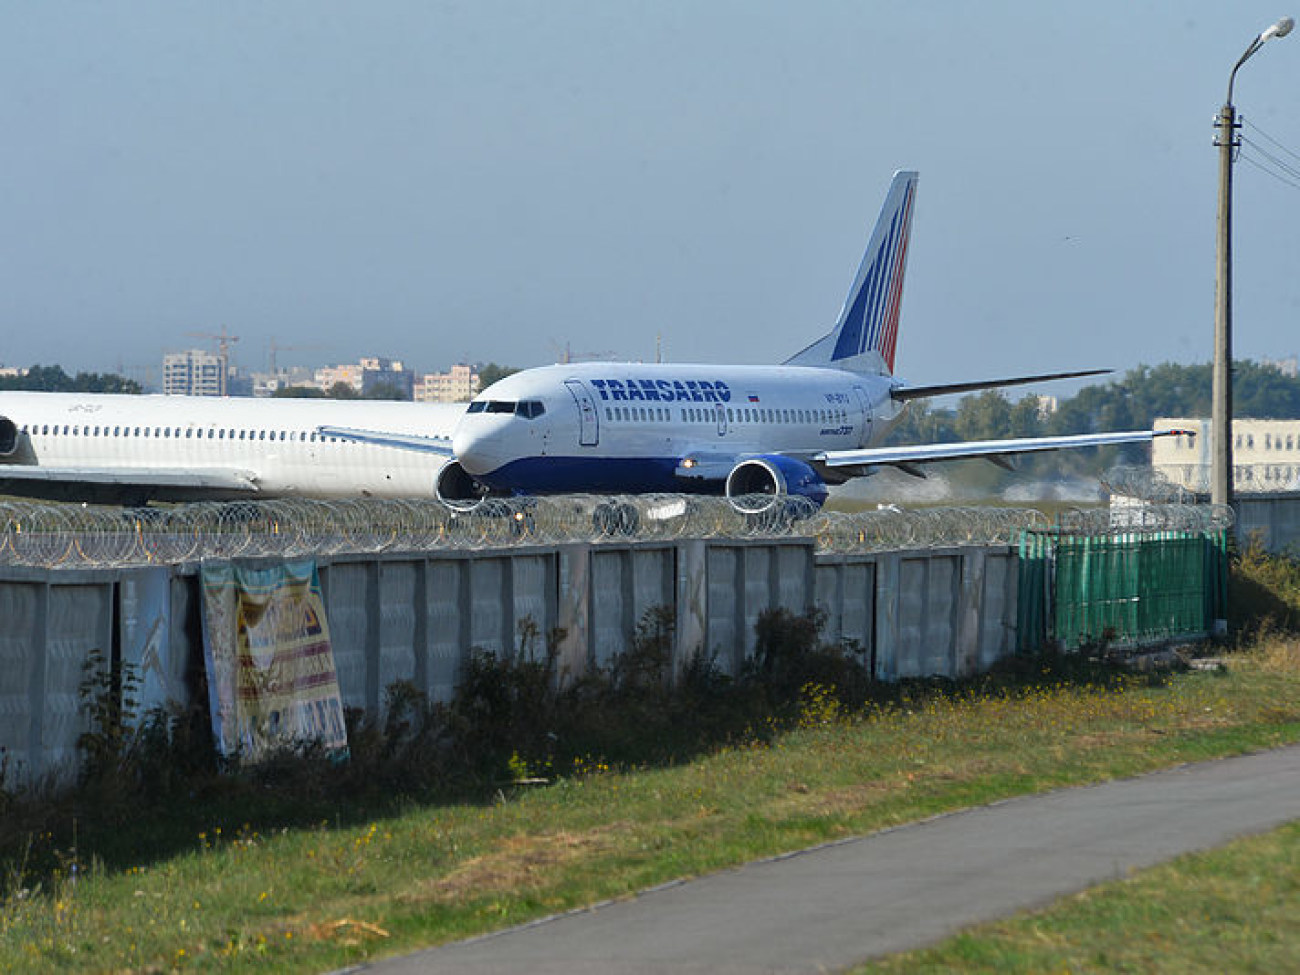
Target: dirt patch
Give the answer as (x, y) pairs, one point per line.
(522, 861)
(802, 801)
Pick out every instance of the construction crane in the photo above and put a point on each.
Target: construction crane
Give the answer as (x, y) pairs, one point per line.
(567, 355)
(223, 339)
(273, 347)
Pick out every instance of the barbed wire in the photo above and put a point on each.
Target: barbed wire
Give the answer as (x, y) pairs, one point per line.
(55, 535)
(1144, 484)
(1188, 481)
(1146, 518)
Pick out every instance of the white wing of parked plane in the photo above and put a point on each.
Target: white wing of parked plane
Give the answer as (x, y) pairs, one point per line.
(386, 438)
(906, 457)
(225, 479)
(118, 483)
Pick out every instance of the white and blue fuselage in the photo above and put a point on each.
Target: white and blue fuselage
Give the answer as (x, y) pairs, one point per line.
(633, 428)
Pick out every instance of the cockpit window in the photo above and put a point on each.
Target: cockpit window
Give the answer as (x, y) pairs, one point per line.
(530, 409)
(500, 406)
(478, 406)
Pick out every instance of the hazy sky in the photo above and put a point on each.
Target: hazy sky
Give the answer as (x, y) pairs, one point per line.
(490, 181)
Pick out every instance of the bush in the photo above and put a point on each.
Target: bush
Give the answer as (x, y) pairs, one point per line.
(1263, 590)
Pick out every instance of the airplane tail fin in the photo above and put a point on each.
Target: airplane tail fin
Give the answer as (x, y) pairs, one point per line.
(866, 334)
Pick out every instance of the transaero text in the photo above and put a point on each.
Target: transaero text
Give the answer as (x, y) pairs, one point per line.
(664, 390)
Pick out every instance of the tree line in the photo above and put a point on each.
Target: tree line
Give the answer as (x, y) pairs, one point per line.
(1132, 402)
(52, 379)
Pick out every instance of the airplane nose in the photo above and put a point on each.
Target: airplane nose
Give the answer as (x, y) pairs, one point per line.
(477, 449)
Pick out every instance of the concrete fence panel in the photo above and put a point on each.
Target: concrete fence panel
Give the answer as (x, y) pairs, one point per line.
(417, 616)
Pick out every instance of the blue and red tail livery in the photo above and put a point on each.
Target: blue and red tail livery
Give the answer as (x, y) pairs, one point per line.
(866, 335)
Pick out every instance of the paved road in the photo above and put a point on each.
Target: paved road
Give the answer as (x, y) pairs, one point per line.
(832, 906)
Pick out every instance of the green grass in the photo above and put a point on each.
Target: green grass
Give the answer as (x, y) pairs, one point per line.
(1231, 909)
(231, 896)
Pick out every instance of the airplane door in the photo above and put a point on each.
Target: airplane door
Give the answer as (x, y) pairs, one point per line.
(721, 412)
(588, 418)
(864, 403)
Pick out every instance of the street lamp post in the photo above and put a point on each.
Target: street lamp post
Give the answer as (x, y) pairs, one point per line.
(1221, 407)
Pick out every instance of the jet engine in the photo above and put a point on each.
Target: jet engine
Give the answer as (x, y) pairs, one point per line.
(455, 488)
(757, 484)
(8, 437)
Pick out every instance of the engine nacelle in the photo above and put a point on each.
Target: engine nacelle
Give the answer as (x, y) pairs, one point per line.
(8, 437)
(756, 485)
(455, 488)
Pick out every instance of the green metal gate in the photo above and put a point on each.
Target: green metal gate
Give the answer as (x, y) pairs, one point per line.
(1124, 587)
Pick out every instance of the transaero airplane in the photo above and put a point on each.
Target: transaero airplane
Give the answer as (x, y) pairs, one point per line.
(755, 434)
(751, 433)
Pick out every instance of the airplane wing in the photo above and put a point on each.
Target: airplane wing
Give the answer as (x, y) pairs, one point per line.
(125, 485)
(905, 393)
(384, 438)
(908, 457)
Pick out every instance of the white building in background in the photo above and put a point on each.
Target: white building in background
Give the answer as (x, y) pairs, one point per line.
(458, 385)
(12, 372)
(1288, 367)
(1265, 454)
(330, 376)
(194, 373)
(368, 374)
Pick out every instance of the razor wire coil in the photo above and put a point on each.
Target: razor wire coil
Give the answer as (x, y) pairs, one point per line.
(41, 534)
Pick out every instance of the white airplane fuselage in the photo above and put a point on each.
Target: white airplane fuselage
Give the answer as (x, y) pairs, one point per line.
(632, 428)
(270, 444)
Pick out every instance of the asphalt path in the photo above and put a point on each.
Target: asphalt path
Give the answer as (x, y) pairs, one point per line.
(833, 906)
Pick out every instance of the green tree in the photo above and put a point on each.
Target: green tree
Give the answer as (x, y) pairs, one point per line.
(298, 392)
(53, 379)
(1025, 419)
(342, 390)
(983, 416)
(491, 373)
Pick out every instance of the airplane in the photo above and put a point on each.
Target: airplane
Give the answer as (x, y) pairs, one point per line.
(754, 434)
(113, 448)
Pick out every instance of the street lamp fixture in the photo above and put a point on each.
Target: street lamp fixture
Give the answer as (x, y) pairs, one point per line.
(1221, 406)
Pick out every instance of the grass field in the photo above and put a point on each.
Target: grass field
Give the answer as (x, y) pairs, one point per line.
(1226, 910)
(235, 895)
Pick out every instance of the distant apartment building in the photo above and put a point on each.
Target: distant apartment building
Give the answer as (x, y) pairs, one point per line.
(194, 373)
(368, 375)
(1265, 454)
(330, 376)
(1288, 367)
(12, 372)
(458, 385)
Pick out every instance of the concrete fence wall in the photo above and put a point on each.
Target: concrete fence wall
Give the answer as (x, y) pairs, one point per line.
(1272, 519)
(947, 612)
